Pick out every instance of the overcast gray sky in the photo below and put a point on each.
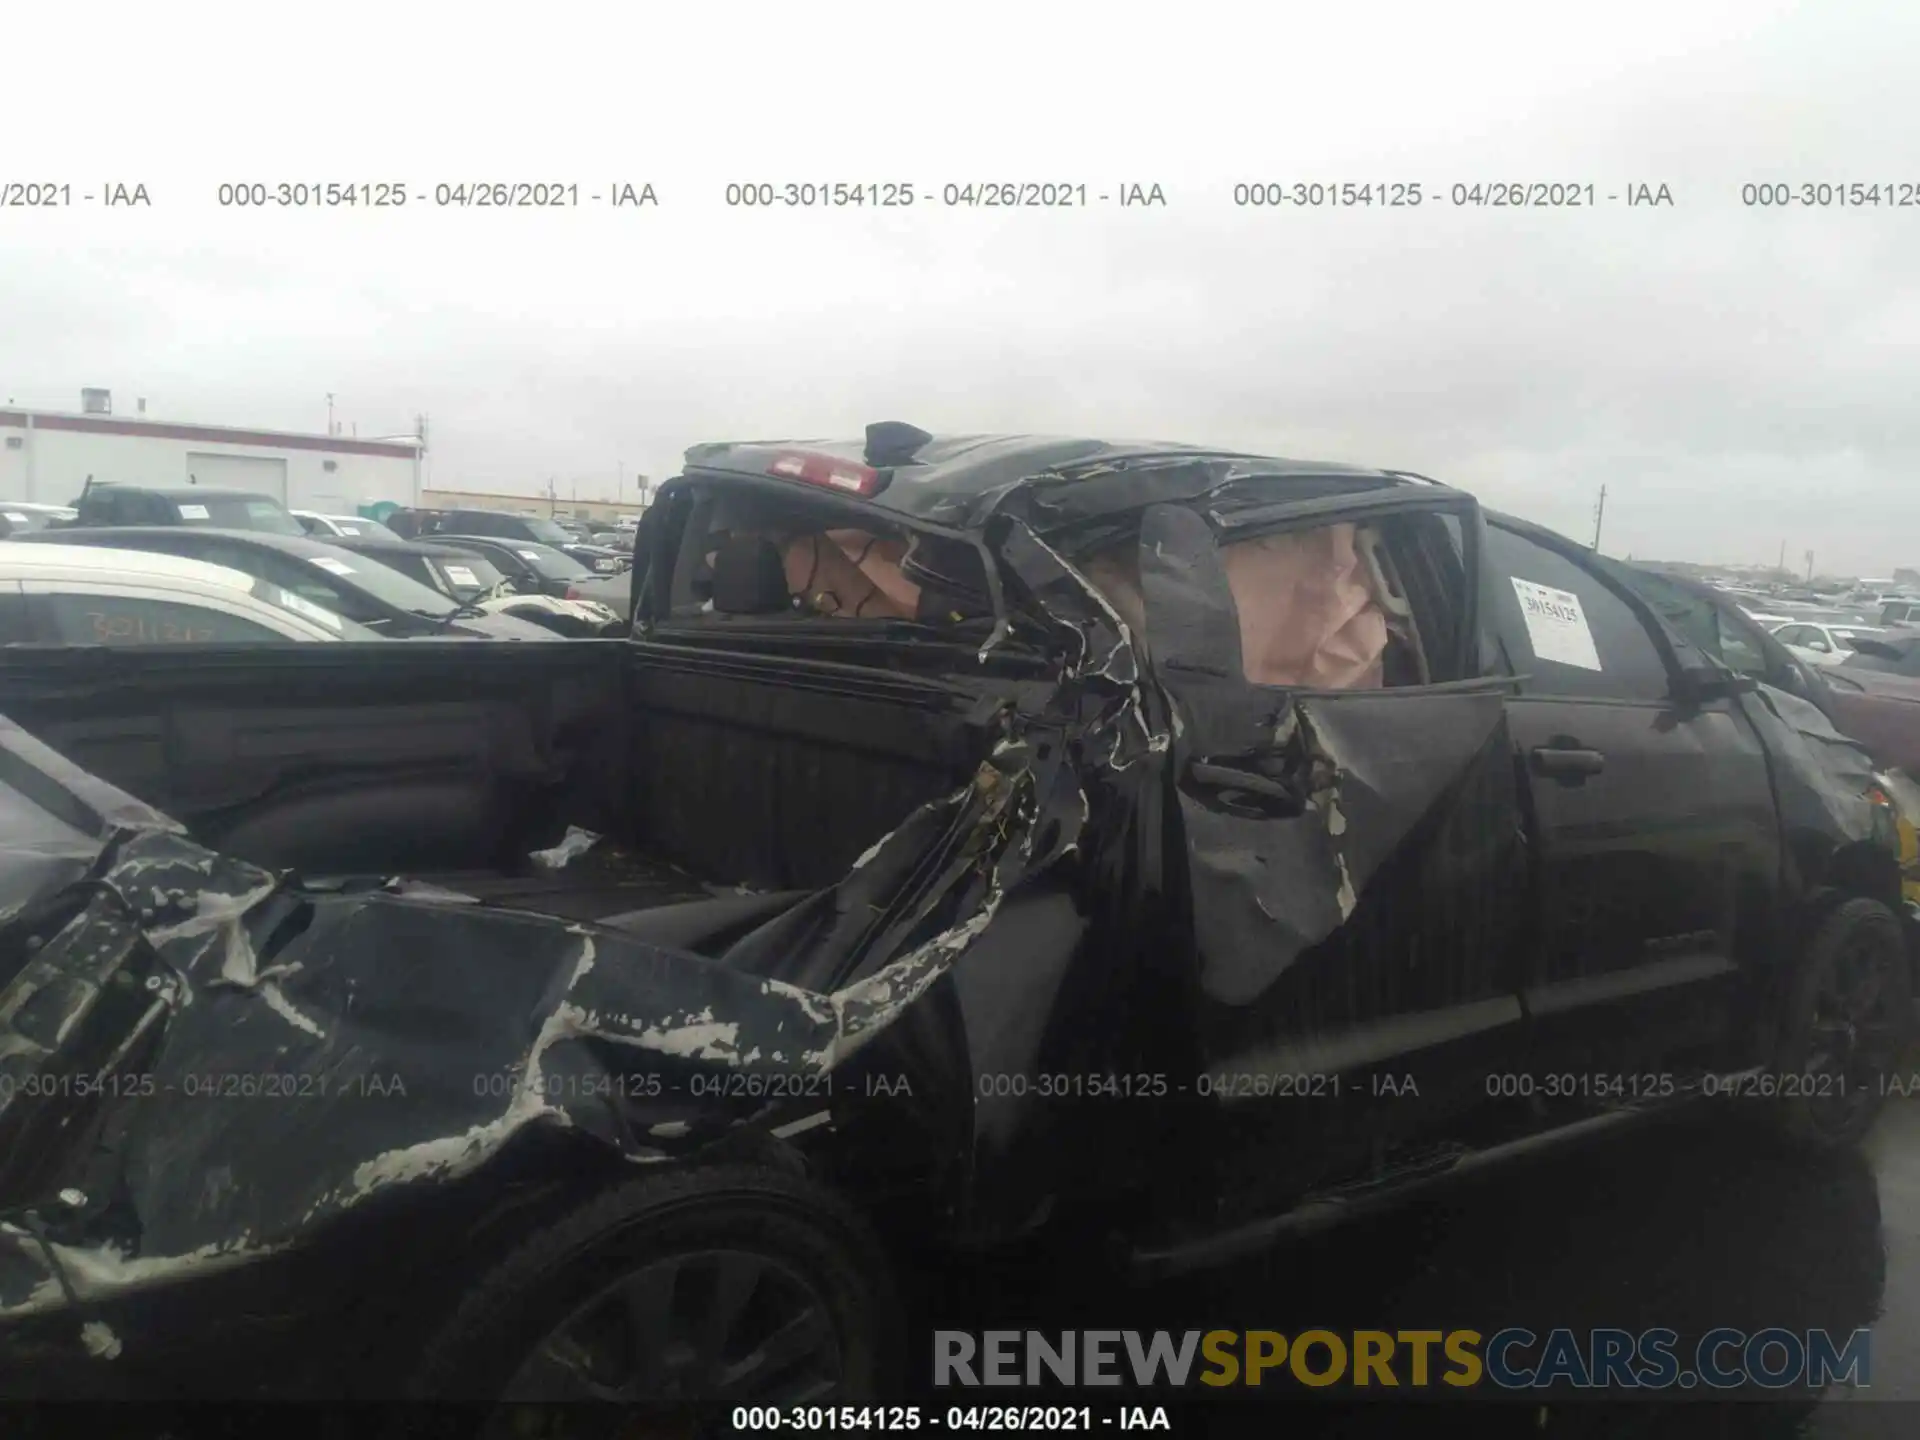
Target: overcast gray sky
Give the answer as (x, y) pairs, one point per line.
(1738, 377)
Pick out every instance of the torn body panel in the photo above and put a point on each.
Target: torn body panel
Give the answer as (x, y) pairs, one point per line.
(1821, 777)
(1354, 864)
(249, 1062)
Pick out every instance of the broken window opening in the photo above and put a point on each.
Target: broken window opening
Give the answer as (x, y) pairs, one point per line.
(746, 554)
(1326, 607)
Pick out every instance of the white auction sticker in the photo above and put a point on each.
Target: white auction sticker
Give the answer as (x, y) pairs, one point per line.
(332, 566)
(193, 512)
(16, 517)
(1556, 625)
(300, 605)
(461, 575)
(529, 554)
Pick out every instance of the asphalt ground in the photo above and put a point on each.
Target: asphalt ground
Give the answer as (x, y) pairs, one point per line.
(1687, 1227)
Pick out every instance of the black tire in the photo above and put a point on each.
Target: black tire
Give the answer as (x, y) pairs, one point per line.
(1849, 1018)
(561, 1284)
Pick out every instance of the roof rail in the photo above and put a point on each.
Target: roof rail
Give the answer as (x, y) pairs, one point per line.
(1413, 475)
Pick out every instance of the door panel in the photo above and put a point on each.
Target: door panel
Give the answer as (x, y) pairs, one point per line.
(1364, 943)
(1656, 841)
(1647, 870)
(1356, 869)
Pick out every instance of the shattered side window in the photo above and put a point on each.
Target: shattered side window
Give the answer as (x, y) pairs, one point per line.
(742, 558)
(850, 573)
(1310, 614)
(1317, 608)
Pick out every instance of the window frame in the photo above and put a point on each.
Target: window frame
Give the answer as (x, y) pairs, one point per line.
(685, 506)
(1468, 665)
(1580, 557)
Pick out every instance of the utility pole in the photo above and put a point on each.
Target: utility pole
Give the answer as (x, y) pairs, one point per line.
(329, 412)
(1599, 514)
(1783, 557)
(1809, 567)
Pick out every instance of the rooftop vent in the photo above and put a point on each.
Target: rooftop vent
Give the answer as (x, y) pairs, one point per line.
(96, 402)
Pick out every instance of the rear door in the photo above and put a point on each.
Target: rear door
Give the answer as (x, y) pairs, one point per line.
(1656, 841)
(1352, 835)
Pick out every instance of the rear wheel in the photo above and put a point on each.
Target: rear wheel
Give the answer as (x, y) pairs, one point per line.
(683, 1294)
(1849, 1018)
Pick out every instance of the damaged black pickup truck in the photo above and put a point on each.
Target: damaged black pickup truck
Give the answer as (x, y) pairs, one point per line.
(994, 836)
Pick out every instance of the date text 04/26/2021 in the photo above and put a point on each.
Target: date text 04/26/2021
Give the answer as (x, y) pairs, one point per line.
(1066, 1419)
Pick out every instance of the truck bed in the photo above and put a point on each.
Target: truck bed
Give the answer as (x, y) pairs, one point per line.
(714, 789)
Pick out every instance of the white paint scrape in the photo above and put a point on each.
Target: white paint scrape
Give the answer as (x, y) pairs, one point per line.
(865, 1008)
(239, 965)
(699, 1037)
(446, 1156)
(104, 1271)
(276, 1001)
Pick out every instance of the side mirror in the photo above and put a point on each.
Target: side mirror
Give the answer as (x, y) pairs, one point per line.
(1704, 686)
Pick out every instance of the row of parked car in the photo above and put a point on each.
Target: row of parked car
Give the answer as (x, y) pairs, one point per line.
(142, 564)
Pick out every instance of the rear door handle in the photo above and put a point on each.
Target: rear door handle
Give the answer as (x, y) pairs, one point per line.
(1570, 765)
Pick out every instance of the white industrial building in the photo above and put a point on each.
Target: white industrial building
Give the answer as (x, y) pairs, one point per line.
(48, 455)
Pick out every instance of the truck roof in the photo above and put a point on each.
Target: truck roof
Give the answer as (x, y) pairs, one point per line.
(942, 479)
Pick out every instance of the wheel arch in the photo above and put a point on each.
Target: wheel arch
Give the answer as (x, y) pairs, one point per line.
(834, 1230)
(1864, 869)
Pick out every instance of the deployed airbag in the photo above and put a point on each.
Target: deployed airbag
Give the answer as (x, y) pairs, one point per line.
(1304, 599)
(1308, 616)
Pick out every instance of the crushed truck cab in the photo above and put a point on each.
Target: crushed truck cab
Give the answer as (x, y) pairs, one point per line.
(974, 835)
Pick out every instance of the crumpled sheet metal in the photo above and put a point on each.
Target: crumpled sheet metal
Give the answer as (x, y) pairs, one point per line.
(1820, 776)
(1108, 658)
(53, 817)
(1257, 907)
(395, 1043)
